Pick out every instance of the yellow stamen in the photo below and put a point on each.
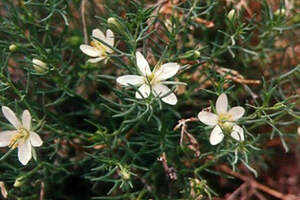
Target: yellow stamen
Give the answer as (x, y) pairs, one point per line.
(98, 45)
(225, 122)
(19, 138)
(151, 79)
(224, 117)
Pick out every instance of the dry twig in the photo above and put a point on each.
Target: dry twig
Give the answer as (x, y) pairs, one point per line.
(186, 137)
(3, 189)
(255, 185)
(82, 8)
(233, 75)
(170, 171)
(42, 192)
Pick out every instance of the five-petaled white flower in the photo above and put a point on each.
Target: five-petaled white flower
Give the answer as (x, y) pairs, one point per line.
(22, 137)
(97, 50)
(152, 82)
(223, 121)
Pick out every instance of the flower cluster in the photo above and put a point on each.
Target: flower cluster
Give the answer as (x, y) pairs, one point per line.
(148, 82)
(154, 83)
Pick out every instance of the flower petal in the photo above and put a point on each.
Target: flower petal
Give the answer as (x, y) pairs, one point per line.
(35, 139)
(144, 90)
(95, 60)
(237, 133)
(26, 119)
(127, 80)
(161, 90)
(165, 71)
(24, 152)
(222, 104)
(237, 112)
(89, 50)
(216, 136)
(110, 39)
(98, 34)
(11, 117)
(208, 118)
(5, 137)
(142, 64)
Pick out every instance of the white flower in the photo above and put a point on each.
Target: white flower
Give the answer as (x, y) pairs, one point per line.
(22, 137)
(298, 130)
(39, 65)
(223, 121)
(152, 82)
(97, 50)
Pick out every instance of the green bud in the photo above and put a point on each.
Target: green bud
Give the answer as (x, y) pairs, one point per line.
(279, 12)
(197, 54)
(231, 14)
(191, 53)
(227, 127)
(19, 181)
(74, 40)
(13, 47)
(113, 22)
(278, 105)
(124, 173)
(296, 18)
(39, 65)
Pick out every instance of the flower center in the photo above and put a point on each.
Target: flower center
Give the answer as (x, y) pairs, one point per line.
(99, 46)
(19, 138)
(224, 117)
(150, 79)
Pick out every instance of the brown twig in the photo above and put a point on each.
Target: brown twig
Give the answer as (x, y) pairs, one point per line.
(228, 74)
(170, 171)
(100, 5)
(208, 24)
(234, 75)
(186, 137)
(235, 194)
(42, 192)
(3, 189)
(259, 195)
(82, 8)
(253, 183)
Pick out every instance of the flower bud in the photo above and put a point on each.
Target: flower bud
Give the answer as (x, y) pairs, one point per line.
(197, 54)
(74, 40)
(191, 53)
(227, 127)
(279, 12)
(113, 22)
(231, 14)
(13, 47)
(299, 130)
(19, 181)
(168, 25)
(39, 65)
(124, 173)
